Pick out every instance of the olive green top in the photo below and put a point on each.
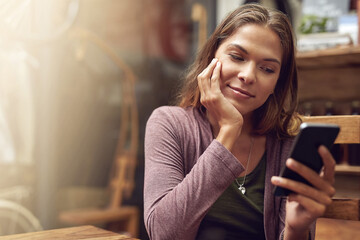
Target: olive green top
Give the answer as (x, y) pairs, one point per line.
(235, 215)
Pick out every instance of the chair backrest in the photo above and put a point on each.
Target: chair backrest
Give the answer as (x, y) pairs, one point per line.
(122, 176)
(343, 208)
(349, 126)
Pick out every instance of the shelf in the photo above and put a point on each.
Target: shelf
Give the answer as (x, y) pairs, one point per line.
(331, 74)
(347, 169)
(335, 57)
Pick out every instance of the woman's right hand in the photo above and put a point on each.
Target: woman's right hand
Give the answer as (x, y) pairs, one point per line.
(223, 115)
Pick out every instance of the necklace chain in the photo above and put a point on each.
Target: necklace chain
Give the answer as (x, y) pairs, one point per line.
(241, 186)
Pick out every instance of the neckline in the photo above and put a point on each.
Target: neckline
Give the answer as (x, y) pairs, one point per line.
(255, 170)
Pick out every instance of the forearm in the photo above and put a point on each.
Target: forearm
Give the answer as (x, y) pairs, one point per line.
(180, 204)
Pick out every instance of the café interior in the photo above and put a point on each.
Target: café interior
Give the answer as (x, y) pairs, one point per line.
(80, 78)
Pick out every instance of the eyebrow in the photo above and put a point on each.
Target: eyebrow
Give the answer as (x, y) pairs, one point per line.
(246, 52)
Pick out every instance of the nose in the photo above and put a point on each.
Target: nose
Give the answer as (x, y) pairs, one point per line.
(247, 73)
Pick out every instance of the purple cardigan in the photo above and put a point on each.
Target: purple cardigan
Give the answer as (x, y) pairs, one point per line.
(186, 170)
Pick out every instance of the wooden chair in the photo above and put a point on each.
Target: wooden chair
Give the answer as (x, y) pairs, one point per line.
(342, 218)
(116, 216)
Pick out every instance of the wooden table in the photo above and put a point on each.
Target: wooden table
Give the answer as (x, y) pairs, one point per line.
(328, 229)
(73, 233)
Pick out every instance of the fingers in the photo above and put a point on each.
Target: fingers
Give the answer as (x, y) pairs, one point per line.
(209, 84)
(214, 80)
(308, 202)
(205, 75)
(207, 72)
(312, 177)
(303, 189)
(328, 170)
(314, 208)
(323, 182)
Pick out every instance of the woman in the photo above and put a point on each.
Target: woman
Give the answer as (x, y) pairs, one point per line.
(211, 162)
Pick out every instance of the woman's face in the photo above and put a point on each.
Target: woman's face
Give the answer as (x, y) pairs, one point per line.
(251, 62)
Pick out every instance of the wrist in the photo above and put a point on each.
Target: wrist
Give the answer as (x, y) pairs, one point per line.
(228, 135)
(291, 233)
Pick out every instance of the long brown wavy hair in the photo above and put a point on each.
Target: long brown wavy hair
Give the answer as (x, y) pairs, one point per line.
(278, 114)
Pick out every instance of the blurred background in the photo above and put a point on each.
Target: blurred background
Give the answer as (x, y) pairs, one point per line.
(79, 78)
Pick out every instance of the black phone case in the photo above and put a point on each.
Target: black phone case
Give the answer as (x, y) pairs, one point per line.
(305, 150)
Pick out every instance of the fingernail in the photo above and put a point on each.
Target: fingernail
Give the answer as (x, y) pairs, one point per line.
(275, 179)
(214, 60)
(322, 148)
(290, 162)
(218, 64)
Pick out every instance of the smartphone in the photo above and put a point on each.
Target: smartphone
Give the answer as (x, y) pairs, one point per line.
(305, 150)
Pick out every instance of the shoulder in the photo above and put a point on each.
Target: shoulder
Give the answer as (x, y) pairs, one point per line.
(168, 112)
(177, 115)
(187, 124)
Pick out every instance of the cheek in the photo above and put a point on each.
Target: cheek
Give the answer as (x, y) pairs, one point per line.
(227, 70)
(272, 84)
(269, 88)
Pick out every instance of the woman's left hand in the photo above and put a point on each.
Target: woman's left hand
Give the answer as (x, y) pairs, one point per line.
(307, 203)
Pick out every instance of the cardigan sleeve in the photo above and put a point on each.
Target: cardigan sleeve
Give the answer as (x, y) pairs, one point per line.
(176, 202)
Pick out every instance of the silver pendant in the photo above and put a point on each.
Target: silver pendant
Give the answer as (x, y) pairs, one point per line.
(242, 189)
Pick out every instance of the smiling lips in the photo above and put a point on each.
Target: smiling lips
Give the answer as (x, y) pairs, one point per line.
(241, 92)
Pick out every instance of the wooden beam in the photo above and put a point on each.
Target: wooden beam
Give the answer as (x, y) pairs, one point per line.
(344, 208)
(349, 126)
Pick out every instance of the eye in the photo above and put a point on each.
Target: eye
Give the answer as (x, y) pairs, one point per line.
(267, 69)
(236, 57)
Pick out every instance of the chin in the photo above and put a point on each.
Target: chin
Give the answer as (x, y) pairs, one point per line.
(243, 110)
